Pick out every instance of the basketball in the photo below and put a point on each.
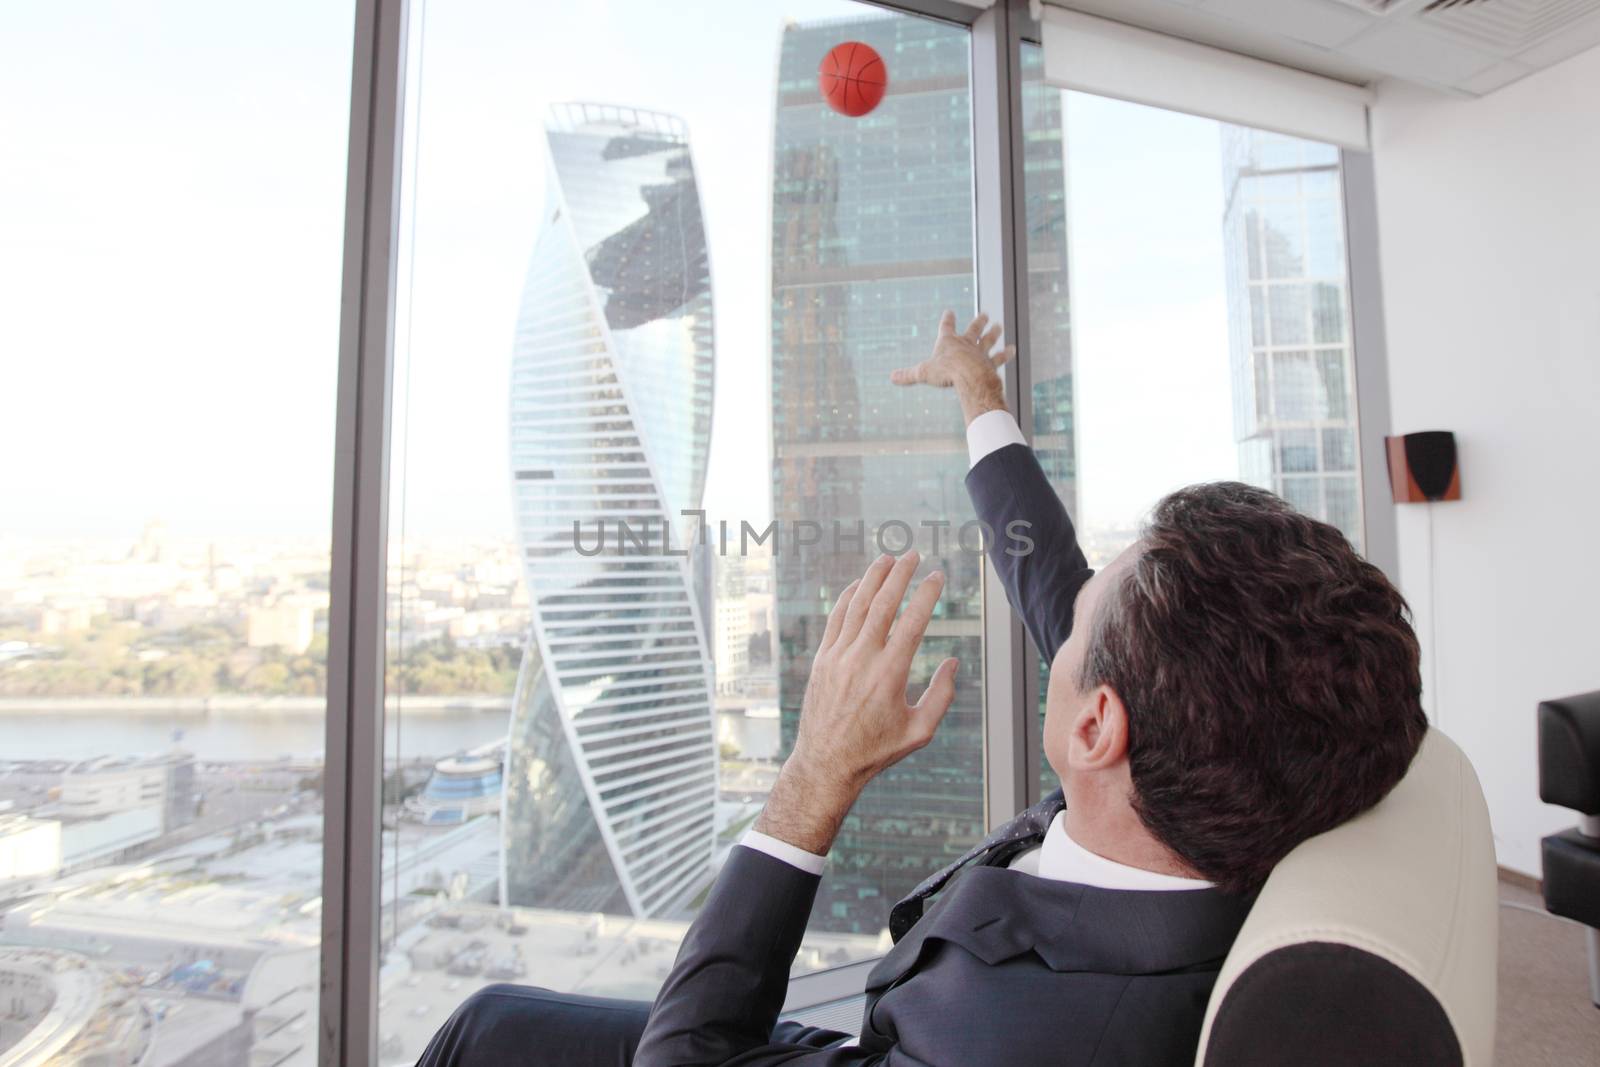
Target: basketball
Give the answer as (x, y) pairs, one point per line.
(852, 78)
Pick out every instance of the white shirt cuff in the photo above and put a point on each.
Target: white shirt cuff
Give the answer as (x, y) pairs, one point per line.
(809, 862)
(991, 431)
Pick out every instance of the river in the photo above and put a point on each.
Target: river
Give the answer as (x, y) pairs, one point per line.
(84, 734)
(246, 728)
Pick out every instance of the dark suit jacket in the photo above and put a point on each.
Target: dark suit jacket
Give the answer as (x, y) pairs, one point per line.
(1004, 967)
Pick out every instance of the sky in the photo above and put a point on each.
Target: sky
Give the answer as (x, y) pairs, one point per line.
(171, 227)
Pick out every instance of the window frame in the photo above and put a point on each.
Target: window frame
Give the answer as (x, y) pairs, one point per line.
(352, 862)
(347, 1027)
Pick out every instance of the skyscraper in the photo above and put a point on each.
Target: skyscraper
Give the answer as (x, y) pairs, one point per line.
(1288, 324)
(611, 766)
(1050, 362)
(872, 236)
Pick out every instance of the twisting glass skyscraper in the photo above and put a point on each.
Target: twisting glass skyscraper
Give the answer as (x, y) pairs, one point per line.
(1288, 323)
(611, 768)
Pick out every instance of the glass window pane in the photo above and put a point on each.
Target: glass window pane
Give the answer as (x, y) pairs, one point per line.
(635, 290)
(1338, 450)
(1282, 223)
(1286, 310)
(1263, 389)
(1297, 394)
(1190, 345)
(1336, 384)
(1342, 498)
(1325, 235)
(172, 203)
(1253, 245)
(1257, 295)
(1297, 451)
(1328, 314)
(1304, 493)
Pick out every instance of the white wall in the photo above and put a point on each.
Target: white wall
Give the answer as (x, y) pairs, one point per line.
(1489, 227)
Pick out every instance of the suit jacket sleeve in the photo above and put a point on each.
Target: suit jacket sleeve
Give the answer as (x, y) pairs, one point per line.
(722, 998)
(1034, 548)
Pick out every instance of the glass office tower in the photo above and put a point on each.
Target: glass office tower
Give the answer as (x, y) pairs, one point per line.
(1288, 323)
(611, 768)
(872, 237)
(1050, 360)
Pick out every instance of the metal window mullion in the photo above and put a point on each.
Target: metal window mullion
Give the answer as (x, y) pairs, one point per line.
(1369, 360)
(353, 770)
(1001, 257)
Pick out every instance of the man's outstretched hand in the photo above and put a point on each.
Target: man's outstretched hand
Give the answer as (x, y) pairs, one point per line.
(855, 721)
(966, 362)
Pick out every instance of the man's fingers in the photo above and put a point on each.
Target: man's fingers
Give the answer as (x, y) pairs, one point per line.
(990, 338)
(907, 375)
(927, 713)
(861, 599)
(887, 599)
(975, 329)
(947, 324)
(913, 622)
(1002, 357)
(836, 616)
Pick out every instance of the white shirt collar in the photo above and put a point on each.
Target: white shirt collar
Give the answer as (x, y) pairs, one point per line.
(1065, 860)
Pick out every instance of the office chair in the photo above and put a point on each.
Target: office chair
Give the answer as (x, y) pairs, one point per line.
(1374, 943)
(1569, 775)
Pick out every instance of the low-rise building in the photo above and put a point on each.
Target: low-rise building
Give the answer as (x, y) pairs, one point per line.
(30, 849)
(286, 625)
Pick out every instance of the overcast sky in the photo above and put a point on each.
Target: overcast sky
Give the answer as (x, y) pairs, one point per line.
(171, 219)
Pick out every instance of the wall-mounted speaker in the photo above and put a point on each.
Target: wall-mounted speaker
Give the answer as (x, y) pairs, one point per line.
(1422, 467)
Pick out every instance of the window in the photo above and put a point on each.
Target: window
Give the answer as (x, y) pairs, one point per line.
(1203, 332)
(1297, 451)
(646, 295)
(1286, 314)
(631, 293)
(172, 205)
(1338, 450)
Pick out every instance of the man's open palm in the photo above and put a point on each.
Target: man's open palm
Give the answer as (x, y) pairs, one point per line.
(958, 356)
(855, 721)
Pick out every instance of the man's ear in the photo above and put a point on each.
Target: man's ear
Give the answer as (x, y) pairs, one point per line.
(1099, 731)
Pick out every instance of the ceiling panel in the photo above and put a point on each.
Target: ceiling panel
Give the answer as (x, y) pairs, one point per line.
(1469, 48)
(1502, 73)
(1412, 52)
(1323, 25)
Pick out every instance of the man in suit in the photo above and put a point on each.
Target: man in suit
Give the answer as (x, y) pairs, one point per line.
(1237, 681)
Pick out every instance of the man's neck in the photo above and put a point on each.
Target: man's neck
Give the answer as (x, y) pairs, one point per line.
(1122, 838)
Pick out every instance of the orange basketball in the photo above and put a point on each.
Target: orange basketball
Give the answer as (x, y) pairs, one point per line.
(852, 78)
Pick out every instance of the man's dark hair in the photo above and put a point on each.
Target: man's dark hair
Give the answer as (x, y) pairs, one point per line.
(1270, 676)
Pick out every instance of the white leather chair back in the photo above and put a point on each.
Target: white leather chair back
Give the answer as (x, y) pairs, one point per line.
(1412, 884)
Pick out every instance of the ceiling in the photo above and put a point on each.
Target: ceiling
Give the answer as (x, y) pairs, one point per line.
(1468, 47)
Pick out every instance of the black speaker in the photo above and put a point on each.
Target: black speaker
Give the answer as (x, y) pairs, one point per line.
(1422, 467)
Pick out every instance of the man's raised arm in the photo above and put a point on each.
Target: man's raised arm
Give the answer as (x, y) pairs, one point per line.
(1033, 546)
